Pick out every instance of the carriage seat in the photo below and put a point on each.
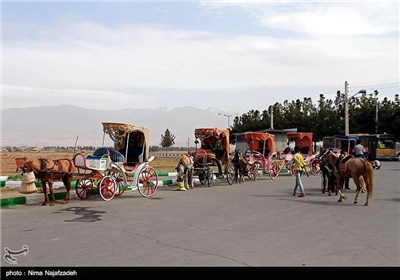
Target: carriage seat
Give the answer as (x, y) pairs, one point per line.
(113, 154)
(200, 156)
(90, 162)
(201, 153)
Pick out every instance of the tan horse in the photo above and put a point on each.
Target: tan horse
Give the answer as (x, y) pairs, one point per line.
(48, 171)
(360, 170)
(185, 170)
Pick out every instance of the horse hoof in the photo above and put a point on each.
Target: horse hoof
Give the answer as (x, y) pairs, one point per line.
(366, 204)
(44, 203)
(355, 202)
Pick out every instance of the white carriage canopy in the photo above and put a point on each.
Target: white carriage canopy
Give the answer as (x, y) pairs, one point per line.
(137, 138)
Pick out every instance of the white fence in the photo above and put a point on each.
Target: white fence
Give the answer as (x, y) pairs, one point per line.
(169, 154)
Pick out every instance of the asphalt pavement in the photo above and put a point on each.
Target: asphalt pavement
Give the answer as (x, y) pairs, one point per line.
(253, 224)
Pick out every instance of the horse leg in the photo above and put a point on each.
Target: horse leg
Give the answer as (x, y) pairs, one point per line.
(362, 184)
(190, 178)
(67, 184)
(242, 175)
(243, 167)
(53, 200)
(340, 183)
(331, 184)
(347, 183)
(323, 182)
(186, 179)
(357, 182)
(44, 188)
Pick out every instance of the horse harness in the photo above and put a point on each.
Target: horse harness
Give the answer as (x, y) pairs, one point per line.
(56, 167)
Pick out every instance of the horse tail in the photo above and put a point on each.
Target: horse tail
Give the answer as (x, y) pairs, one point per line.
(370, 175)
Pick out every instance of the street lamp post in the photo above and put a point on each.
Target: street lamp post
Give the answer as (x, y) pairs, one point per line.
(229, 118)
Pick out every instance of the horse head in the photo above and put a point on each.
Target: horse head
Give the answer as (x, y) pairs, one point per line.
(23, 164)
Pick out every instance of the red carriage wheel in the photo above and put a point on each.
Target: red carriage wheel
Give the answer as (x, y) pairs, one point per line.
(84, 188)
(107, 187)
(274, 172)
(148, 181)
(120, 179)
(121, 186)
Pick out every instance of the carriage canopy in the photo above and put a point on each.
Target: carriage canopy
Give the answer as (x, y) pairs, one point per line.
(131, 140)
(303, 140)
(345, 143)
(262, 142)
(210, 136)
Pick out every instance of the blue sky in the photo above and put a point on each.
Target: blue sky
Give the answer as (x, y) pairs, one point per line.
(231, 55)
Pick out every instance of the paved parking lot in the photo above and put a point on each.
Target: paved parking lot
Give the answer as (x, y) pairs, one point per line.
(251, 224)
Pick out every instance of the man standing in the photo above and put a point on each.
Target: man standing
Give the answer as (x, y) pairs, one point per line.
(299, 166)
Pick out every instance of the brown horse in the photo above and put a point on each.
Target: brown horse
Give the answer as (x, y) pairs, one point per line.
(48, 171)
(240, 166)
(328, 178)
(360, 170)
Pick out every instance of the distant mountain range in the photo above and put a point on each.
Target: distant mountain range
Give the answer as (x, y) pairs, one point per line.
(61, 125)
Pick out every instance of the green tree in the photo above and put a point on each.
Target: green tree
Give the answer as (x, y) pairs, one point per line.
(326, 117)
(167, 140)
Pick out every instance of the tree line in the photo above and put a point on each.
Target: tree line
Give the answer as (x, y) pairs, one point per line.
(324, 118)
(327, 116)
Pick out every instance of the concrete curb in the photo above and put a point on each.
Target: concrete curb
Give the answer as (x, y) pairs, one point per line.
(38, 197)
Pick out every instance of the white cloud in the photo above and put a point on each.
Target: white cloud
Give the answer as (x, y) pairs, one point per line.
(90, 62)
(335, 19)
(321, 18)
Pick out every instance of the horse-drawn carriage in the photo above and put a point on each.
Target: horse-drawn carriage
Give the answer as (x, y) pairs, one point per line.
(110, 170)
(126, 165)
(260, 153)
(303, 140)
(213, 154)
(208, 160)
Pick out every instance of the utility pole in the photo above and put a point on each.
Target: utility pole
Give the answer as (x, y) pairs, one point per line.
(272, 117)
(346, 109)
(376, 111)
